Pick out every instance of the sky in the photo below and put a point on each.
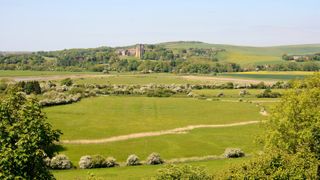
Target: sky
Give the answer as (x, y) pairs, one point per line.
(33, 25)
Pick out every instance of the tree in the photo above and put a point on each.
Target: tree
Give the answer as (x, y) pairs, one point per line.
(26, 138)
(292, 138)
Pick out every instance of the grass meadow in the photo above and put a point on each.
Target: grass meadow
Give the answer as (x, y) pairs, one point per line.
(265, 75)
(234, 93)
(196, 143)
(103, 117)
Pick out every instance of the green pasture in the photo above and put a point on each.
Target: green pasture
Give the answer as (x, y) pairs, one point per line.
(233, 93)
(139, 172)
(157, 78)
(195, 143)
(280, 76)
(103, 117)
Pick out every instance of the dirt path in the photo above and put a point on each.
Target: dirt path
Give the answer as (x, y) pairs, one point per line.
(225, 79)
(155, 133)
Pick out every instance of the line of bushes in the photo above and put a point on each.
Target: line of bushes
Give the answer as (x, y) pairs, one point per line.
(61, 161)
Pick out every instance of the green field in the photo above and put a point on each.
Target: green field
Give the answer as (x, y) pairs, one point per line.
(249, 55)
(233, 93)
(157, 78)
(265, 75)
(103, 117)
(138, 172)
(203, 142)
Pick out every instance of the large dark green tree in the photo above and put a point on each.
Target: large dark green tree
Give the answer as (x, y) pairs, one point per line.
(292, 138)
(25, 138)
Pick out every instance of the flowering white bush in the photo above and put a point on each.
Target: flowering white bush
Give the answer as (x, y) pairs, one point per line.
(85, 162)
(233, 153)
(133, 160)
(154, 158)
(60, 161)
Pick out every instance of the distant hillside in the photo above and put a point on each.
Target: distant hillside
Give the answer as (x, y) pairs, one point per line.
(14, 52)
(248, 55)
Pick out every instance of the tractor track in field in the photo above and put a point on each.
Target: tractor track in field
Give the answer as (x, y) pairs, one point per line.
(181, 130)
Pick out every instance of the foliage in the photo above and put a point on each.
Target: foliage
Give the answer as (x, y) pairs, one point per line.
(268, 94)
(29, 87)
(295, 122)
(67, 82)
(154, 158)
(274, 165)
(3, 85)
(26, 138)
(99, 161)
(133, 160)
(85, 162)
(96, 161)
(292, 138)
(173, 172)
(111, 162)
(233, 153)
(60, 161)
(160, 93)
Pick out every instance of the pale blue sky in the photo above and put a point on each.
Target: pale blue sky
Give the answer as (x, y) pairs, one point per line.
(59, 24)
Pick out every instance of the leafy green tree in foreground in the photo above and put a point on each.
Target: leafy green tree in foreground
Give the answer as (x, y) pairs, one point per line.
(25, 138)
(292, 138)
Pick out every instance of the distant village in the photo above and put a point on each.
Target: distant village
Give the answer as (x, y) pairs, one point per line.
(302, 58)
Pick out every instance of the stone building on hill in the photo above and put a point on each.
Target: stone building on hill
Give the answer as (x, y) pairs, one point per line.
(138, 51)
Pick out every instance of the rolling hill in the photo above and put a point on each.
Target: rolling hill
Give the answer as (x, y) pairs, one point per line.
(245, 55)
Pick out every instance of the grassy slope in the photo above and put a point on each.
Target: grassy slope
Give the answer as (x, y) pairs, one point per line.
(110, 116)
(138, 172)
(249, 55)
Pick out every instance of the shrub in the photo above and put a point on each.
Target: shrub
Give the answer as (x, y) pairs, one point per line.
(233, 153)
(274, 165)
(3, 85)
(160, 93)
(154, 158)
(85, 162)
(269, 94)
(173, 172)
(60, 161)
(29, 87)
(133, 160)
(67, 82)
(76, 90)
(99, 161)
(243, 93)
(221, 94)
(111, 162)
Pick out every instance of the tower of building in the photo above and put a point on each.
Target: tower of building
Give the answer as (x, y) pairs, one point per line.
(139, 50)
